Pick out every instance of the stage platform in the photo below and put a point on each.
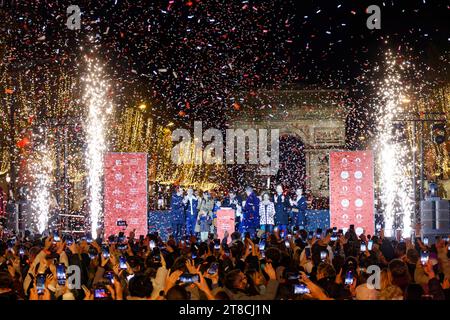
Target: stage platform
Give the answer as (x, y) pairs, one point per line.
(161, 221)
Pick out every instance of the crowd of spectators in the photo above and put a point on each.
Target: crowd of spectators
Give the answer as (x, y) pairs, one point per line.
(264, 266)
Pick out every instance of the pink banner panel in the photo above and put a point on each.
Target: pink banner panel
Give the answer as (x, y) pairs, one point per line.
(225, 222)
(125, 193)
(352, 190)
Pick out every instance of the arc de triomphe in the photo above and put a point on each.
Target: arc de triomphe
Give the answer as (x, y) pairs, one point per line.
(316, 117)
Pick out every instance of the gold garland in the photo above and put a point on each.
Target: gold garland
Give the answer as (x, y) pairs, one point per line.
(437, 162)
(134, 134)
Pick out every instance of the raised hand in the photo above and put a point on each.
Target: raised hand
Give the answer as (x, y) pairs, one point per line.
(87, 293)
(163, 261)
(338, 279)
(270, 271)
(191, 267)
(441, 248)
(113, 259)
(104, 261)
(213, 277)
(95, 245)
(171, 279)
(33, 293)
(342, 240)
(202, 285)
(428, 268)
(446, 284)
(316, 291)
(119, 290)
(11, 270)
(111, 291)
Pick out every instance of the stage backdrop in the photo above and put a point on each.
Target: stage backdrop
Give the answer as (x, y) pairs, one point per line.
(351, 190)
(125, 193)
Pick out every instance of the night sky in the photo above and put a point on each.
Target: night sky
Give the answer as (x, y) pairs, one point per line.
(193, 58)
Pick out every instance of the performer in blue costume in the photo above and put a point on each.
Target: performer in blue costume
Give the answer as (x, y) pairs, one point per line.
(281, 210)
(250, 219)
(298, 211)
(190, 208)
(177, 213)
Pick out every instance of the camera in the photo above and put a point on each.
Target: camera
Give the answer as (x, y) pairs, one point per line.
(40, 283)
(122, 263)
(301, 289)
(69, 240)
(323, 255)
(92, 253)
(61, 274)
(213, 268)
(122, 246)
(56, 237)
(349, 277)
(424, 256)
(110, 276)
(100, 294)
(293, 276)
(156, 258)
(363, 246)
(308, 252)
(105, 252)
(121, 223)
(319, 233)
(262, 245)
(189, 278)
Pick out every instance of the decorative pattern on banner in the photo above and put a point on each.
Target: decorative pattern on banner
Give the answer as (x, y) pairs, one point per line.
(125, 193)
(225, 222)
(351, 190)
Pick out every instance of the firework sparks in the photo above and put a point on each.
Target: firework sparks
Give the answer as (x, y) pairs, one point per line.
(41, 171)
(393, 154)
(95, 97)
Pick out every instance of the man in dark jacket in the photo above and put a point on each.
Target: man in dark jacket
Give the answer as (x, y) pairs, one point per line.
(177, 213)
(298, 211)
(281, 209)
(250, 221)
